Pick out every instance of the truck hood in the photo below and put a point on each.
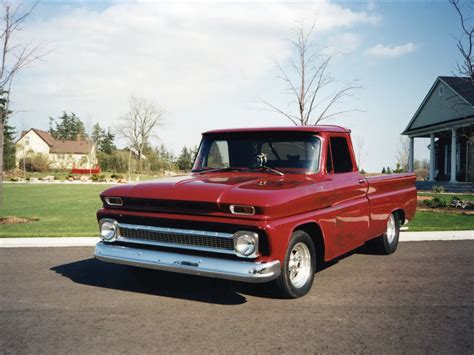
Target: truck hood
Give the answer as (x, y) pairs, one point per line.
(270, 194)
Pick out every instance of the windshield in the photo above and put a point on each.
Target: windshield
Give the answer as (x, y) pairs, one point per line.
(287, 152)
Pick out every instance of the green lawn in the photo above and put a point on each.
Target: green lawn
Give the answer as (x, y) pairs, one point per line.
(63, 210)
(69, 211)
(435, 221)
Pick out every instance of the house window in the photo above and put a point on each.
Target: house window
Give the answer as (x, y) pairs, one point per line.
(27, 140)
(441, 90)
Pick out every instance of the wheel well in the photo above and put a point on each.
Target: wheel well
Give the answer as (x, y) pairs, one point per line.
(401, 215)
(314, 231)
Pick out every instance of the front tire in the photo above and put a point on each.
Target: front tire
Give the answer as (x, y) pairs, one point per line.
(298, 270)
(387, 243)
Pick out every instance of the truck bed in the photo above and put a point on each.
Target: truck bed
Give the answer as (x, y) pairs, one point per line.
(388, 193)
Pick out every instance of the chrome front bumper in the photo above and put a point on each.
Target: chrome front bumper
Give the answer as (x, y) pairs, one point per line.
(189, 264)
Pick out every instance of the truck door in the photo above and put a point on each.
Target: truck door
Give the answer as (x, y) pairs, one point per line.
(348, 196)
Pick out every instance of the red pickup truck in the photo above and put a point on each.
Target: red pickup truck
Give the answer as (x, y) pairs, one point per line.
(261, 205)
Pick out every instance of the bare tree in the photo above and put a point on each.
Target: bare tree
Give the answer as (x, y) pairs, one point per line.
(139, 123)
(403, 152)
(464, 44)
(359, 145)
(14, 57)
(314, 90)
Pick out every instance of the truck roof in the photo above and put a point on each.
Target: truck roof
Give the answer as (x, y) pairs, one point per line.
(317, 128)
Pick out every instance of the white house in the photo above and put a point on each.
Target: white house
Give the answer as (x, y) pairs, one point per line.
(61, 154)
(446, 116)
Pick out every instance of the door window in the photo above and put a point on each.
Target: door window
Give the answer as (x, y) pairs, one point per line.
(341, 157)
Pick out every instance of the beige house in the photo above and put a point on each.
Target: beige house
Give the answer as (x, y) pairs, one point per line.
(61, 154)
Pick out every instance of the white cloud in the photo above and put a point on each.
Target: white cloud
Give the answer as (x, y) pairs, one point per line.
(381, 50)
(184, 55)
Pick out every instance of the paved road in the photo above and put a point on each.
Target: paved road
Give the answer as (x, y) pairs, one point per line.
(61, 300)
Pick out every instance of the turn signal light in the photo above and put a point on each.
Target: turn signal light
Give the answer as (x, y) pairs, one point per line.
(244, 210)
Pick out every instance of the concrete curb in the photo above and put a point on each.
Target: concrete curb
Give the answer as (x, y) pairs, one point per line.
(48, 242)
(436, 236)
(91, 241)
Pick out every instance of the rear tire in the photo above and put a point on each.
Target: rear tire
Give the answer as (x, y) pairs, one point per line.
(297, 274)
(387, 243)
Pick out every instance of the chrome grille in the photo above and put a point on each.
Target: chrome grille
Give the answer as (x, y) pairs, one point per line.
(177, 238)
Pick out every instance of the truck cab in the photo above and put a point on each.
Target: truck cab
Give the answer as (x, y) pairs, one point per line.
(260, 205)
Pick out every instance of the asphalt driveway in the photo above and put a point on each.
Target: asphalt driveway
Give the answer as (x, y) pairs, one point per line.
(62, 300)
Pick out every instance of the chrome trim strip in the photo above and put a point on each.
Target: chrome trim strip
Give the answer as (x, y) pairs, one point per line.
(176, 231)
(176, 245)
(189, 264)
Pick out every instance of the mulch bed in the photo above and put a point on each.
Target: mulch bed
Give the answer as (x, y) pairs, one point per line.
(16, 220)
(421, 207)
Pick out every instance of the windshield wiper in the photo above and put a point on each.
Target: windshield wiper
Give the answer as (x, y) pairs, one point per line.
(267, 168)
(216, 170)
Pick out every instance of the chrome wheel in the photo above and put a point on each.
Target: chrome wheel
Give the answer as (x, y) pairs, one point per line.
(299, 265)
(391, 229)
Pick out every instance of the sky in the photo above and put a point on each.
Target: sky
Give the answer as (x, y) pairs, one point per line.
(209, 65)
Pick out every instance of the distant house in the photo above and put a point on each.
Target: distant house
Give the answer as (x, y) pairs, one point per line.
(61, 154)
(446, 116)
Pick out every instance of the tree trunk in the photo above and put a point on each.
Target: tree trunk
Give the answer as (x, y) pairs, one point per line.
(2, 129)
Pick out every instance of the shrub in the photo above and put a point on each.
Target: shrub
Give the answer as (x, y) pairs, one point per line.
(98, 177)
(117, 161)
(36, 163)
(437, 202)
(438, 189)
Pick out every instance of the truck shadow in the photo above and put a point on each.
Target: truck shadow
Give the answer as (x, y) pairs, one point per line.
(92, 272)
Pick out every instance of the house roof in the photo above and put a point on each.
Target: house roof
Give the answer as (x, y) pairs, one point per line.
(61, 146)
(71, 147)
(462, 86)
(48, 138)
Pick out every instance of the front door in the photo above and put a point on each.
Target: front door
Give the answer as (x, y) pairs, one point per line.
(348, 197)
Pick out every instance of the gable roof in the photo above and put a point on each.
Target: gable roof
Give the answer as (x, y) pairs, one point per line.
(462, 86)
(48, 138)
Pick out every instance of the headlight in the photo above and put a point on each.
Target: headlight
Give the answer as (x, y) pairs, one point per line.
(246, 244)
(108, 229)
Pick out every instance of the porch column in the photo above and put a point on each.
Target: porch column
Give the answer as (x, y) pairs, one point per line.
(453, 154)
(411, 154)
(432, 156)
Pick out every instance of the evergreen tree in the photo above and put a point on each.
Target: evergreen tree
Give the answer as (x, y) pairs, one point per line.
(107, 144)
(8, 135)
(383, 170)
(9, 147)
(97, 133)
(185, 159)
(389, 171)
(67, 127)
(103, 140)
